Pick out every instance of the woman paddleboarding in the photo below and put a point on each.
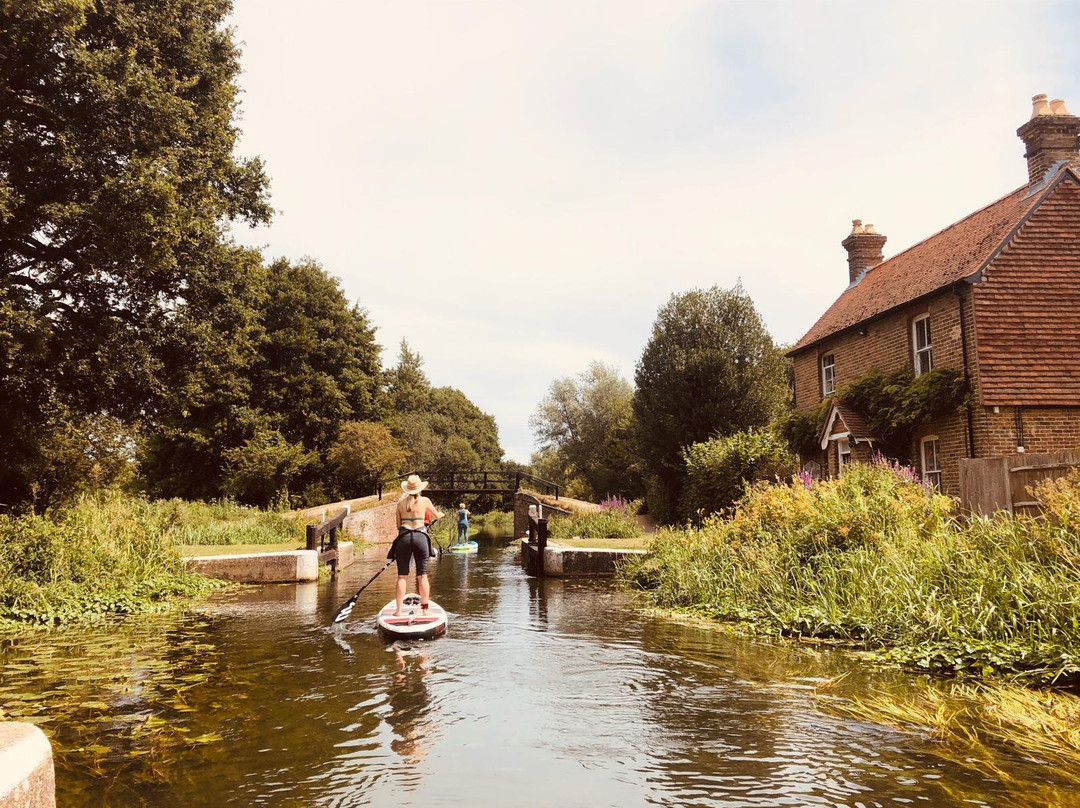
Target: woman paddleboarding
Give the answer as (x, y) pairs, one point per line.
(413, 542)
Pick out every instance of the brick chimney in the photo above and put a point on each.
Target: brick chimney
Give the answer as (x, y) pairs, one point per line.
(1052, 135)
(863, 249)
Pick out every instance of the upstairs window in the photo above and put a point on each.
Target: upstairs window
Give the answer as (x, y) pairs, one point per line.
(931, 462)
(923, 344)
(828, 375)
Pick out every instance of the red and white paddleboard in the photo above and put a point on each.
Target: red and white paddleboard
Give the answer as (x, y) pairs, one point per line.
(413, 624)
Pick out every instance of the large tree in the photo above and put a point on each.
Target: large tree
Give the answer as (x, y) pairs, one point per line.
(118, 178)
(709, 369)
(293, 361)
(583, 426)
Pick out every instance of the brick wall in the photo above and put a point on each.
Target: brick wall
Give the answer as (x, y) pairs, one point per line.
(1045, 429)
(885, 345)
(376, 525)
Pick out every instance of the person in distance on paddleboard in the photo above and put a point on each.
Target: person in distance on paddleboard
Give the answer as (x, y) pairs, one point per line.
(463, 515)
(413, 543)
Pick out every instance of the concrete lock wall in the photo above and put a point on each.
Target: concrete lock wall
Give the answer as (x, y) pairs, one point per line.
(27, 778)
(296, 565)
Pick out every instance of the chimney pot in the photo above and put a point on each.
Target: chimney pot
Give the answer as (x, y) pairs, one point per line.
(1051, 137)
(863, 248)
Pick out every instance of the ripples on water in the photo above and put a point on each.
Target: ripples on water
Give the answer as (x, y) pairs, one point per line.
(542, 693)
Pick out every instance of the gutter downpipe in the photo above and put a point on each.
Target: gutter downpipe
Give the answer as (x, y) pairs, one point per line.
(967, 375)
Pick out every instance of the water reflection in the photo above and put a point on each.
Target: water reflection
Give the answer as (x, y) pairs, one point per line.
(410, 706)
(543, 692)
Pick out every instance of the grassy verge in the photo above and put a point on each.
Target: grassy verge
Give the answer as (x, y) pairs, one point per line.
(616, 522)
(119, 555)
(878, 560)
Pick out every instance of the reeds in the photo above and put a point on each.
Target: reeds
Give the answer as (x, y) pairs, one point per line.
(116, 554)
(879, 560)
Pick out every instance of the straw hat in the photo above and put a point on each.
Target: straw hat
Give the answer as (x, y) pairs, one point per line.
(414, 485)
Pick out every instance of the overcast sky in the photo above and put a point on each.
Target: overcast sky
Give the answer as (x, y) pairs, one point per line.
(517, 187)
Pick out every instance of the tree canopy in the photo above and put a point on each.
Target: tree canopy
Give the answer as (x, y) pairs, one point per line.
(117, 179)
(584, 427)
(709, 369)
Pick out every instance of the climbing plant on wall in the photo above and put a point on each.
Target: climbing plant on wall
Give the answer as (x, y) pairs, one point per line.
(895, 404)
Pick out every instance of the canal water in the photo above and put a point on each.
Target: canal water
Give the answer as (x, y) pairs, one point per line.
(543, 693)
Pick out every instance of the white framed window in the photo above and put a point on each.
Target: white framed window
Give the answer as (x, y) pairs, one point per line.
(828, 375)
(931, 461)
(922, 344)
(843, 454)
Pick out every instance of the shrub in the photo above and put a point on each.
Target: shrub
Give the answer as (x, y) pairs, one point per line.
(717, 471)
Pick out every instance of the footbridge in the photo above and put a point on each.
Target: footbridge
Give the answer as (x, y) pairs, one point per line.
(453, 483)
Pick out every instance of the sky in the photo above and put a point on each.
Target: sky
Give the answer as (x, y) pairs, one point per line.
(516, 188)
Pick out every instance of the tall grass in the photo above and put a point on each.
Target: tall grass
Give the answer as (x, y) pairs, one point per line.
(615, 521)
(878, 559)
(115, 554)
(223, 522)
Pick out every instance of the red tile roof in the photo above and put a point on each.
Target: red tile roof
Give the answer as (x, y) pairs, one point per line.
(954, 253)
(1027, 307)
(853, 422)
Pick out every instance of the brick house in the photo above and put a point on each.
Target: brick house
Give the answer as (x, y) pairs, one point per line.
(995, 296)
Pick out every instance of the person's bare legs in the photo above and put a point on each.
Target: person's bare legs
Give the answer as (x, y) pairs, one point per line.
(399, 592)
(424, 588)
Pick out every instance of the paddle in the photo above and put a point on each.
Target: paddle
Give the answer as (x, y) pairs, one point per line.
(346, 610)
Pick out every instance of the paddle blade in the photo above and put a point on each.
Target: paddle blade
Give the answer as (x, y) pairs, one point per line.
(345, 610)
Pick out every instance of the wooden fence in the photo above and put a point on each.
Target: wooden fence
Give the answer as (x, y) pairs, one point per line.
(995, 484)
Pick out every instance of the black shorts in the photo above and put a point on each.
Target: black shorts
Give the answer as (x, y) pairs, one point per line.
(412, 545)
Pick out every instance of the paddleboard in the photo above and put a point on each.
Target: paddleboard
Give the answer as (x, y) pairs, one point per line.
(413, 624)
(467, 547)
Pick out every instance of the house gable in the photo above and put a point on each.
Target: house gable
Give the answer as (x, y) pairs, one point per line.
(1027, 306)
(844, 422)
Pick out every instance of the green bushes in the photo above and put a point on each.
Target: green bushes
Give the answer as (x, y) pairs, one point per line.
(616, 521)
(718, 470)
(877, 558)
(115, 555)
(98, 557)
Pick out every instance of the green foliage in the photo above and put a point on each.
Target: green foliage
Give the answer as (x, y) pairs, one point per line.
(118, 178)
(584, 429)
(317, 365)
(101, 556)
(802, 431)
(709, 369)
(365, 453)
(259, 471)
(493, 525)
(439, 427)
(717, 471)
(895, 404)
(617, 522)
(223, 522)
(877, 558)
